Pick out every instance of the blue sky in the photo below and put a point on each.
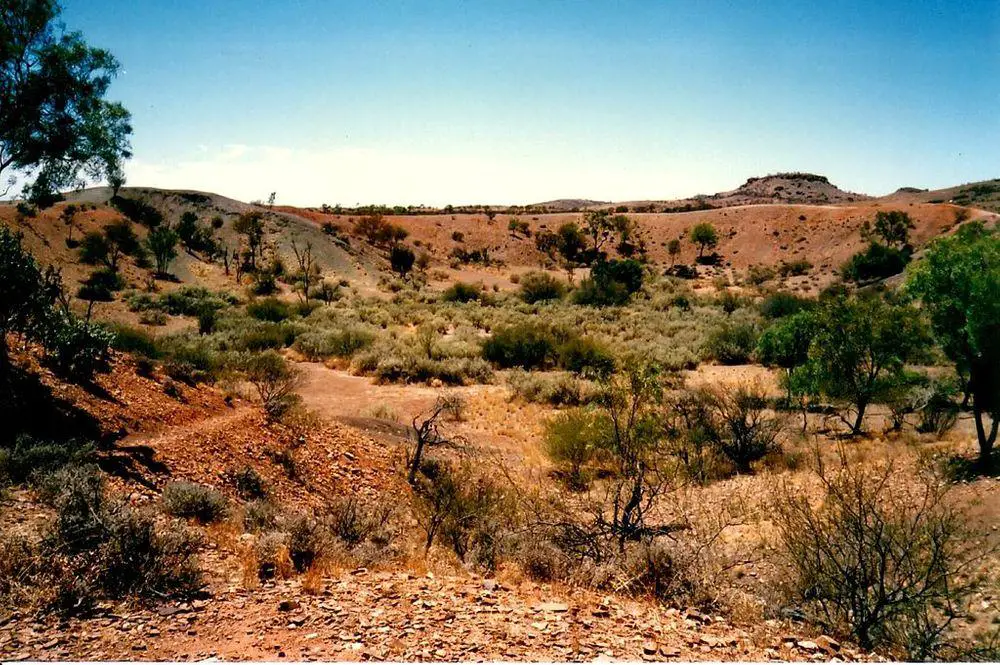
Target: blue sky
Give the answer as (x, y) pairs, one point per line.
(522, 101)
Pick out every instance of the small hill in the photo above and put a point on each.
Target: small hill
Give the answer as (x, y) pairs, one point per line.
(568, 205)
(793, 188)
(982, 195)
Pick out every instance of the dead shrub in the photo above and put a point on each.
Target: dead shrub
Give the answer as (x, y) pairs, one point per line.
(469, 513)
(354, 522)
(891, 566)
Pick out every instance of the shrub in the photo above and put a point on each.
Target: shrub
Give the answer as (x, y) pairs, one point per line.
(732, 343)
(354, 522)
(275, 381)
(525, 345)
(30, 460)
(587, 357)
(610, 283)
(782, 303)
(759, 274)
(557, 389)
(468, 513)
(269, 309)
(876, 262)
(540, 286)
(572, 438)
(190, 500)
(888, 566)
(260, 515)
(344, 343)
(308, 541)
(248, 483)
(130, 339)
(77, 348)
(461, 292)
(97, 549)
(794, 268)
(739, 424)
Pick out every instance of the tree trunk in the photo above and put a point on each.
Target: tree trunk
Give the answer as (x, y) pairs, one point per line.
(859, 421)
(411, 477)
(986, 441)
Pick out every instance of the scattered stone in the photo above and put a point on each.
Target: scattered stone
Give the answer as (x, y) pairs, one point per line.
(649, 647)
(807, 645)
(288, 605)
(553, 607)
(828, 644)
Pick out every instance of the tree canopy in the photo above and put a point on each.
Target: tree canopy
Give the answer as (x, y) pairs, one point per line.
(958, 282)
(56, 129)
(705, 236)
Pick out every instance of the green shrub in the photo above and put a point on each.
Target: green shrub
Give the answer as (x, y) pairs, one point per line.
(876, 262)
(308, 541)
(264, 335)
(269, 309)
(130, 339)
(30, 460)
(732, 343)
(344, 343)
(555, 388)
(77, 348)
(525, 345)
(782, 303)
(794, 268)
(587, 357)
(572, 438)
(540, 286)
(186, 301)
(97, 549)
(759, 274)
(461, 292)
(354, 522)
(610, 283)
(190, 500)
(884, 564)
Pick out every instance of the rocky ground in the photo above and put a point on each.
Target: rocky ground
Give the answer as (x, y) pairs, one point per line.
(367, 615)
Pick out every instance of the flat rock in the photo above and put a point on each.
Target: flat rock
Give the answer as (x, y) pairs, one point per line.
(553, 607)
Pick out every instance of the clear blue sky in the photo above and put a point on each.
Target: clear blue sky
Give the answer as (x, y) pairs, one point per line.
(519, 101)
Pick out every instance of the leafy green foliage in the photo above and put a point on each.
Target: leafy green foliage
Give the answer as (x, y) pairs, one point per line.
(527, 346)
(573, 438)
(610, 283)
(54, 120)
(461, 292)
(705, 236)
(958, 283)
(184, 499)
(269, 309)
(540, 286)
(29, 304)
(892, 227)
(732, 342)
(876, 262)
(859, 348)
(162, 243)
(586, 357)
